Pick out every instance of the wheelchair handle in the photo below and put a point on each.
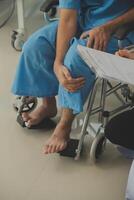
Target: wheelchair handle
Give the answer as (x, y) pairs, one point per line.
(48, 5)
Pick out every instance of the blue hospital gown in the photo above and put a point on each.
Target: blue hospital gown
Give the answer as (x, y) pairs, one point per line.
(35, 76)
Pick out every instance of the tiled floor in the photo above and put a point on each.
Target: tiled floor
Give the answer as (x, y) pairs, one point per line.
(26, 174)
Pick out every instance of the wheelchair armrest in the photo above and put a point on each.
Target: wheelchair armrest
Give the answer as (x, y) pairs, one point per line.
(48, 5)
(123, 31)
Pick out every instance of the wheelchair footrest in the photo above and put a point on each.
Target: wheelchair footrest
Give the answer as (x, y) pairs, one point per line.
(71, 148)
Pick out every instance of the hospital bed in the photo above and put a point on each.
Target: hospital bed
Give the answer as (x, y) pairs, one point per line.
(126, 99)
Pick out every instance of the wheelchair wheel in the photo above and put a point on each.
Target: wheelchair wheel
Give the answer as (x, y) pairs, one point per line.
(17, 40)
(28, 104)
(97, 147)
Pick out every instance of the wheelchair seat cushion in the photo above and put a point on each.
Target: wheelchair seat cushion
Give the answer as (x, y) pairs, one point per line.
(120, 129)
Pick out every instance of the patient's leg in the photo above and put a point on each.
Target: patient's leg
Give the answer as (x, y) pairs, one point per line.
(58, 141)
(72, 103)
(46, 109)
(35, 76)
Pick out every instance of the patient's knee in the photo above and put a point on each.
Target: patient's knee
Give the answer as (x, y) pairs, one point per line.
(31, 46)
(72, 57)
(75, 63)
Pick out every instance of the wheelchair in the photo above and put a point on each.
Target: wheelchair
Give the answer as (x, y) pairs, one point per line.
(121, 91)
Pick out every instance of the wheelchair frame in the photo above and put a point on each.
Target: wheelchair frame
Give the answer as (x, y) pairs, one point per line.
(103, 117)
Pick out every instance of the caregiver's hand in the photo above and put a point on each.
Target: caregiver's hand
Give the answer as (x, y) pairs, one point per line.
(66, 80)
(125, 53)
(98, 37)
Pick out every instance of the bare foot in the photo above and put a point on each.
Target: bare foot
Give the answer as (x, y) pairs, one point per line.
(58, 141)
(38, 115)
